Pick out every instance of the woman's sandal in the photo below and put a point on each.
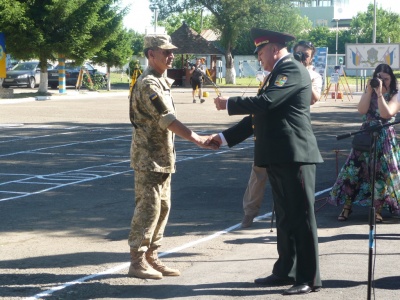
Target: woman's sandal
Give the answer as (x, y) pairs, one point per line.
(378, 218)
(344, 215)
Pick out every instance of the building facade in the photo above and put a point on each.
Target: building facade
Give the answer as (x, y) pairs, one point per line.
(330, 13)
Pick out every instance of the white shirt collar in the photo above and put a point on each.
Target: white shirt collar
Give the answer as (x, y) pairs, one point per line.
(280, 60)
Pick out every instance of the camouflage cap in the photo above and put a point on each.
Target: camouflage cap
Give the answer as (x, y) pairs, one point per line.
(161, 41)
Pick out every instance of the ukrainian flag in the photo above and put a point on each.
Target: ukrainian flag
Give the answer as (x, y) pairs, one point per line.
(356, 57)
(3, 59)
(388, 57)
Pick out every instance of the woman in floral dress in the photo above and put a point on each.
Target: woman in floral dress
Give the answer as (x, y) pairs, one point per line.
(353, 185)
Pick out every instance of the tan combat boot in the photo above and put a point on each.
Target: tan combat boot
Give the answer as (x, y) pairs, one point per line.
(155, 262)
(140, 268)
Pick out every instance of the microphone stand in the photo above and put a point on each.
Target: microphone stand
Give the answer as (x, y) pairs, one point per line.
(374, 132)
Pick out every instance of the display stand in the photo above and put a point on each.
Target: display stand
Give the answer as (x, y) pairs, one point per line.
(135, 75)
(79, 80)
(338, 78)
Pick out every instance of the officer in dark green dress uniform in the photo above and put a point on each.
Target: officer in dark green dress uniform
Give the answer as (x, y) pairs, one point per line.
(286, 146)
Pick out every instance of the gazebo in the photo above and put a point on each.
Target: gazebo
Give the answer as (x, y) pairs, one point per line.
(189, 42)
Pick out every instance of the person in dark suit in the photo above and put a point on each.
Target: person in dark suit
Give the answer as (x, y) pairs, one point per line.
(286, 146)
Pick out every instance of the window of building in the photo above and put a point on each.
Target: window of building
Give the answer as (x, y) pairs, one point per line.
(321, 22)
(316, 3)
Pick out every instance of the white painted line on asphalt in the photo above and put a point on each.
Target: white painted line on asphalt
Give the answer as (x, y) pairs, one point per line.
(165, 253)
(7, 125)
(78, 281)
(77, 176)
(63, 145)
(323, 191)
(126, 265)
(71, 177)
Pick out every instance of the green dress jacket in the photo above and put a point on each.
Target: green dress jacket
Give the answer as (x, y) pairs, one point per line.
(279, 117)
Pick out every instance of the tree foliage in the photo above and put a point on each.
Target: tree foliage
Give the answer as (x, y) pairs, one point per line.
(278, 17)
(387, 26)
(116, 52)
(197, 20)
(360, 31)
(44, 28)
(231, 18)
(137, 43)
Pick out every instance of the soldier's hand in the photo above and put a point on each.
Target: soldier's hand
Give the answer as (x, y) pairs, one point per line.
(208, 142)
(214, 139)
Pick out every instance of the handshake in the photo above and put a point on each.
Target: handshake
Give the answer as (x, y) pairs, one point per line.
(212, 141)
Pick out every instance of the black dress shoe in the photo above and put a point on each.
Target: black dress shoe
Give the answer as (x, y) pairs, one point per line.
(299, 289)
(273, 280)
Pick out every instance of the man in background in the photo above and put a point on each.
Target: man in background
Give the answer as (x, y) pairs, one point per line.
(197, 71)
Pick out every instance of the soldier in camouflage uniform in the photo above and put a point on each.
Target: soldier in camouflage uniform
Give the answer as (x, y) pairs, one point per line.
(153, 157)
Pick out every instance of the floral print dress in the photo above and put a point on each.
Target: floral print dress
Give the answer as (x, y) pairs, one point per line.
(353, 185)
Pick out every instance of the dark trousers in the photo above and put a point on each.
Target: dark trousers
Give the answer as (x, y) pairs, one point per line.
(293, 189)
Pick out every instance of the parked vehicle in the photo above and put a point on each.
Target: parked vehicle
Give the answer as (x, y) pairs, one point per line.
(71, 74)
(24, 74)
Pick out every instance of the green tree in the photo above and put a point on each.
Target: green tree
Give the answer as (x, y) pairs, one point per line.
(116, 52)
(387, 26)
(137, 43)
(43, 29)
(279, 18)
(230, 18)
(195, 19)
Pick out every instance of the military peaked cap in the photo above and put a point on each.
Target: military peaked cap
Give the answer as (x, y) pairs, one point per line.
(263, 36)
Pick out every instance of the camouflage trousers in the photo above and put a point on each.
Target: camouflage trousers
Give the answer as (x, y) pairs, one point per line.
(152, 207)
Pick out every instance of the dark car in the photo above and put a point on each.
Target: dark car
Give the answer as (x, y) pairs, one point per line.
(24, 74)
(71, 74)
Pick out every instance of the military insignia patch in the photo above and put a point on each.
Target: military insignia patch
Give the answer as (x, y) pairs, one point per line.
(280, 80)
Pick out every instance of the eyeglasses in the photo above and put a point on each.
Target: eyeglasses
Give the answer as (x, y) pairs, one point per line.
(306, 43)
(166, 52)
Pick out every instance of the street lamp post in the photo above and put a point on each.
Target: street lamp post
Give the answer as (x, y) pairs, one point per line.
(337, 38)
(336, 57)
(155, 20)
(154, 8)
(374, 28)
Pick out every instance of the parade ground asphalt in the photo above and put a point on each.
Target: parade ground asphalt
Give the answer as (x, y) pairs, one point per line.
(67, 198)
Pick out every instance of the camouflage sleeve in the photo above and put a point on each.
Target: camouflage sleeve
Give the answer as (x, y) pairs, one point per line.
(158, 101)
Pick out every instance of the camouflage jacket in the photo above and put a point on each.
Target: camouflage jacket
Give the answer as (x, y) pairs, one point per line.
(152, 147)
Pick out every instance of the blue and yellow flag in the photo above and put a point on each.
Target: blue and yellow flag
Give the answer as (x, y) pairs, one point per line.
(3, 60)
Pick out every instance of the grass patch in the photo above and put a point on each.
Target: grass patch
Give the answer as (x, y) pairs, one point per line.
(119, 80)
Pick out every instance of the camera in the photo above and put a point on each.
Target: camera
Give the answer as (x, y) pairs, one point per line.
(375, 82)
(299, 56)
(190, 64)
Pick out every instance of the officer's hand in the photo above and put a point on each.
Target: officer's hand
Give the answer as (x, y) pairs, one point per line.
(220, 102)
(208, 142)
(214, 139)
